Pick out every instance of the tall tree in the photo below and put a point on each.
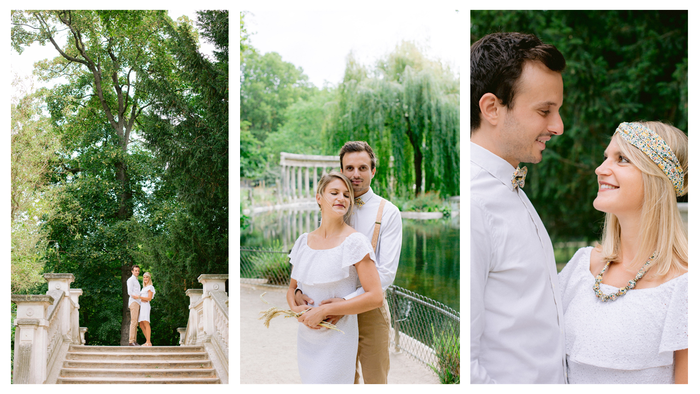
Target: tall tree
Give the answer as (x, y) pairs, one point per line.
(105, 57)
(187, 129)
(34, 147)
(406, 108)
(268, 86)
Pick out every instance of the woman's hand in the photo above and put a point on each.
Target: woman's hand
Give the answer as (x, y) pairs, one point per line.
(313, 317)
(299, 309)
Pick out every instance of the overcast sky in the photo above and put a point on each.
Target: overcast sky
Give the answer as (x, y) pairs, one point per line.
(319, 41)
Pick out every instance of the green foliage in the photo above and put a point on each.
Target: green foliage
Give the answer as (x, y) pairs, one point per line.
(253, 163)
(622, 66)
(426, 202)
(268, 86)
(446, 346)
(306, 120)
(406, 108)
(186, 234)
(34, 144)
(122, 200)
(274, 267)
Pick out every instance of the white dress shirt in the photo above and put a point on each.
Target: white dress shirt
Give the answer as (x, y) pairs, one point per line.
(517, 330)
(390, 236)
(133, 287)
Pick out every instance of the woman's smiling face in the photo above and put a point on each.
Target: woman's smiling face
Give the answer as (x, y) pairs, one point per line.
(620, 184)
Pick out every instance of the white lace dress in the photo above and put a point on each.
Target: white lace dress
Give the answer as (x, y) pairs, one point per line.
(328, 356)
(630, 340)
(145, 310)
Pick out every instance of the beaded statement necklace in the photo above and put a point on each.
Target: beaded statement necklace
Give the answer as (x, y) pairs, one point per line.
(623, 290)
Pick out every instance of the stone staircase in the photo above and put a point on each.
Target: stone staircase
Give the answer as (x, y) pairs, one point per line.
(137, 365)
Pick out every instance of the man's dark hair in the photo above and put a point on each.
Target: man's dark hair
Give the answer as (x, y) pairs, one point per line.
(357, 146)
(135, 266)
(497, 61)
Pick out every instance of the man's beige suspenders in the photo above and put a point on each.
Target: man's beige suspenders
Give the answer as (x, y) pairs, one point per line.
(377, 224)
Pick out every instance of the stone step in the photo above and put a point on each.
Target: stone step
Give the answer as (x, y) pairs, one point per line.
(136, 373)
(145, 356)
(94, 380)
(153, 364)
(129, 349)
(137, 365)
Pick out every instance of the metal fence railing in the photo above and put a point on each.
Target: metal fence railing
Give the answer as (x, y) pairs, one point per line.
(423, 328)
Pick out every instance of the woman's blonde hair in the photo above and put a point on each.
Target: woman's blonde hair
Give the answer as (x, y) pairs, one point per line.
(328, 178)
(661, 226)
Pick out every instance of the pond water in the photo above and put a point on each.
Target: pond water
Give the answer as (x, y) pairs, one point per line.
(429, 262)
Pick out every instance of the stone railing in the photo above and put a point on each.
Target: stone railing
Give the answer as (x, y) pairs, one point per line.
(45, 326)
(208, 321)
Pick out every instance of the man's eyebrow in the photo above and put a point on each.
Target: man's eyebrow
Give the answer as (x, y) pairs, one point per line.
(547, 103)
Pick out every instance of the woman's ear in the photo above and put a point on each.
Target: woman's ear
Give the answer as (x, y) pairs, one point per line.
(490, 105)
(318, 200)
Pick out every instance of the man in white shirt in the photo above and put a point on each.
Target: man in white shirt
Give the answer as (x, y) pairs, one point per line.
(517, 330)
(358, 163)
(134, 289)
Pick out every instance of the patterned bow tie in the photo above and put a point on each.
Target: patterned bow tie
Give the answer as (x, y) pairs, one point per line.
(359, 202)
(519, 177)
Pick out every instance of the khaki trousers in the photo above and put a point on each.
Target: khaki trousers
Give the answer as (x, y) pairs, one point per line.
(134, 308)
(373, 345)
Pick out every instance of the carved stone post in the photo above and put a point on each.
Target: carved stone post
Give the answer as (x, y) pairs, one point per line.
(212, 284)
(60, 283)
(193, 323)
(31, 338)
(75, 331)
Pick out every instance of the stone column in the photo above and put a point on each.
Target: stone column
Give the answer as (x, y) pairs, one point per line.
(31, 338)
(212, 284)
(293, 184)
(61, 283)
(306, 183)
(193, 323)
(76, 336)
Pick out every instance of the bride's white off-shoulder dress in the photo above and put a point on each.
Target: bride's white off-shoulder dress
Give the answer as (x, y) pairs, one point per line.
(629, 340)
(328, 356)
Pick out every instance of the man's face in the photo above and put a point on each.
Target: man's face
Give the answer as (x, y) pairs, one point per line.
(357, 167)
(135, 271)
(534, 118)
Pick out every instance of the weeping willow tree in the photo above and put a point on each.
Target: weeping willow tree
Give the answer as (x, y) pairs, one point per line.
(407, 109)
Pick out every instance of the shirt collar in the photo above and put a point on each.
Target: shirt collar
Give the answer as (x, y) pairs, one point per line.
(367, 196)
(492, 163)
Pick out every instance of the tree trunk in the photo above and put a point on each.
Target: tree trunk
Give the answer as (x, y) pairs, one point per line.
(417, 156)
(125, 204)
(126, 313)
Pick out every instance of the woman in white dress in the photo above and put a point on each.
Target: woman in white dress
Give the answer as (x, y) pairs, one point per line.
(327, 263)
(625, 301)
(147, 294)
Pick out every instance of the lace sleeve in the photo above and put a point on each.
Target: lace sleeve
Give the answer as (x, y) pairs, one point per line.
(675, 331)
(356, 247)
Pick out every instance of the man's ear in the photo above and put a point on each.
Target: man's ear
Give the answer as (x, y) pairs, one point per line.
(373, 171)
(490, 106)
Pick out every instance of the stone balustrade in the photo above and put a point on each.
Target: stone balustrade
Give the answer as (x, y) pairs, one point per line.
(45, 326)
(208, 321)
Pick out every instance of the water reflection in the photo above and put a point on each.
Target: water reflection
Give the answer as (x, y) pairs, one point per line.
(429, 262)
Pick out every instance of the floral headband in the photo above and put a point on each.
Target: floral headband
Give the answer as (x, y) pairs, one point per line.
(657, 149)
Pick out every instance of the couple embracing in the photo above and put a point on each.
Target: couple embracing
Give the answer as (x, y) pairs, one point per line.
(618, 312)
(339, 274)
(140, 305)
